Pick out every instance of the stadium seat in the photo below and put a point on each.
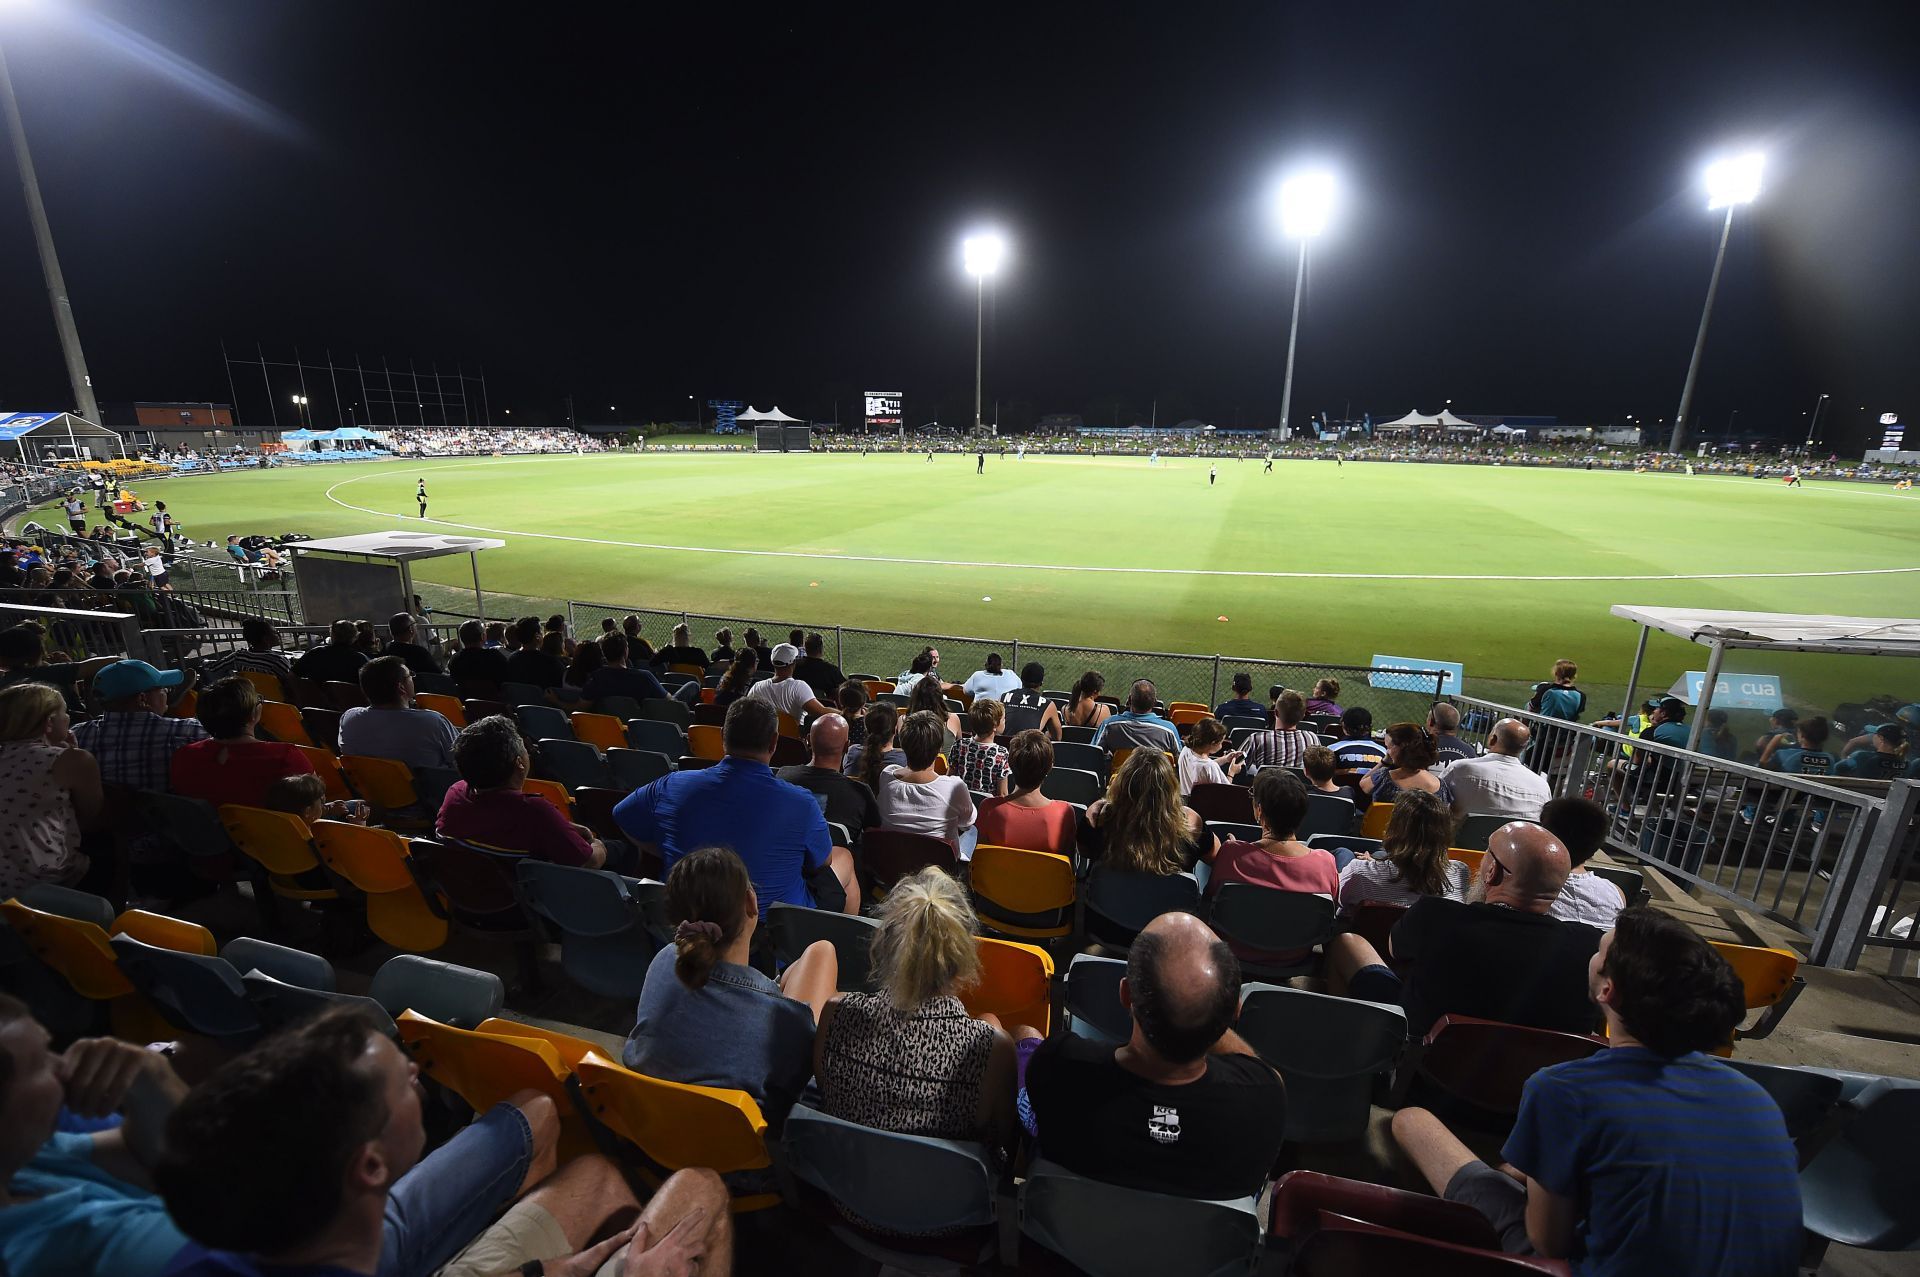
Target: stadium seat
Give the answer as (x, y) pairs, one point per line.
(666, 710)
(1070, 784)
(444, 704)
(1329, 1050)
(518, 694)
(551, 790)
(322, 724)
(1184, 718)
(478, 885)
(326, 765)
(1468, 857)
(1229, 832)
(1485, 1064)
(609, 926)
(1023, 893)
(69, 902)
(1075, 754)
(432, 784)
(570, 1049)
(450, 994)
(573, 763)
(1374, 922)
(1229, 803)
(294, 966)
(602, 731)
(908, 1185)
(1194, 706)
(436, 685)
(1119, 902)
(1328, 814)
(593, 806)
(1094, 1010)
(283, 846)
(268, 685)
(375, 862)
(1806, 1098)
(1299, 1199)
(484, 1069)
(1078, 735)
(1108, 1231)
(384, 782)
(1242, 722)
(1119, 757)
(637, 768)
(477, 708)
(888, 855)
(1262, 918)
(194, 992)
(1345, 1247)
(542, 722)
(77, 949)
(1373, 822)
(660, 737)
(1632, 883)
(693, 762)
(792, 928)
(706, 742)
(194, 827)
(677, 1126)
(283, 723)
(1770, 979)
(1476, 829)
(1861, 1188)
(1016, 984)
(344, 696)
(1334, 842)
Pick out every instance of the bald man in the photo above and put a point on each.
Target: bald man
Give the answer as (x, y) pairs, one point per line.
(1184, 1106)
(1443, 724)
(848, 801)
(1498, 955)
(1499, 783)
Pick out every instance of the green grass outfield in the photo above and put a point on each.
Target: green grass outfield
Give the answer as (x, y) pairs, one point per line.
(1500, 569)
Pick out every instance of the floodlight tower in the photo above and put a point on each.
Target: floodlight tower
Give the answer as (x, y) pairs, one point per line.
(982, 254)
(1730, 183)
(1306, 203)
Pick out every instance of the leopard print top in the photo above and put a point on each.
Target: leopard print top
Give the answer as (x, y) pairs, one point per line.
(917, 1072)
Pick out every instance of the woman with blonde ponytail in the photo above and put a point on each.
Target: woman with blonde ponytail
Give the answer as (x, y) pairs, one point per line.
(707, 1018)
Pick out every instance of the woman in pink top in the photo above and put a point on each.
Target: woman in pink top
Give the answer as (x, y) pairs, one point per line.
(1026, 818)
(1279, 860)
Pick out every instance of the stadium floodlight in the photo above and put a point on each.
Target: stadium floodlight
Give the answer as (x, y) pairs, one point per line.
(1305, 205)
(982, 254)
(1730, 182)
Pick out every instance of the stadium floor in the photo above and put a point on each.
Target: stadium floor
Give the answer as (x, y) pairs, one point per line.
(1502, 569)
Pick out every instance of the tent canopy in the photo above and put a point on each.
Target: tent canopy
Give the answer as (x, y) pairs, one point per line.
(1442, 420)
(49, 426)
(754, 414)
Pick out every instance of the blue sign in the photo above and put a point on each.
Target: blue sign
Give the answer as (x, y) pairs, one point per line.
(1734, 691)
(725, 412)
(1390, 673)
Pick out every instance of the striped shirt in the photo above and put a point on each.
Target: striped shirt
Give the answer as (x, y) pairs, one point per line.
(1364, 880)
(269, 661)
(1278, 747)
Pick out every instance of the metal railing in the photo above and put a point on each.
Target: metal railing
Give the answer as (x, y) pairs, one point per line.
(77, 634)
(1828, 861)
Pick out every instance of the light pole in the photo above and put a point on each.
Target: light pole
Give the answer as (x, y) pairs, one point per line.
(1306, 202)
(300, 406)
(982, 254)
(83, 400)
(1730, 183)
(1818, 404)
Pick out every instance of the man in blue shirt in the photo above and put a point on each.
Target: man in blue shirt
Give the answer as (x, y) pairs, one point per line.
(1138, 725)
(776, 828)
(1651, 1156)
(1668, 723)
(1242, 705)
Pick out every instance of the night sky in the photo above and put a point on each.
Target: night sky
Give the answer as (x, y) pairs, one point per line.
(633, 204)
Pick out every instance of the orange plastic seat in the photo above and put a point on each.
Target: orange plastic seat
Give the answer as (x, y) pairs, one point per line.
(1016, 984)
(554, 792)
(789, 726)
(1374, 823)
(1770, 978)
(185, 706)
(385, 783)
(163, 932)
(570, 1049)
(1174, 707)
(282, 722)
(1186, 716)
(283, 845)
(875, 686)
(704, 741)
(448, 707)
(1120, 757)
(602, 731)
(678, 1126)
(1468, 857)
(689, 669)
(327, 767)
(940, 765)
(268, 685)
(77, 950)
(485, 1069)
(1008, 881)
(375, 862)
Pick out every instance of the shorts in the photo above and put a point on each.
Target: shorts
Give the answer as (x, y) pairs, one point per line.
(1023, 1052)
(1498, 1196)
(1377, 983)
(826, 889)
(451, 1197)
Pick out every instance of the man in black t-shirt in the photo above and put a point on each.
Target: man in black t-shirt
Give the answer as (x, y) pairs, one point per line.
(1443, 724)
(404, 645)
(849, 801)
(618, 678)
(1033, 675)
(334, 661)
(817, 672)
(478, 669)
(529, 664)
(1184, 1106)
(1499, 956)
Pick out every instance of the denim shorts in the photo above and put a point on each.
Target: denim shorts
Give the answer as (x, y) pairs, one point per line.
(455, 1192)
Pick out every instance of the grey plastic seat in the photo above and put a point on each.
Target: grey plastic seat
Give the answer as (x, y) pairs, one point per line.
(1266, 918)
(1081, 756)
(430, 786)
(1120, 902)
(290, 966)
(1328, 1049)
(522, 694)
(441, 991)
(436, 684)
(1805, 1098)
(1071, 784)
(1328, 814)
(657, 735)
(281, 1004)
(1478, 827)
(906, 1184)
(1242, 722)
(635, 768)
(542, 722)
(573, 763)
(83, 906)
(620, 707)
(1093, 999)
(610, 926)
(1108, 1231)
(191, 824)
(667, 710)
(1083, 735)
(1863, 1187)
(194, 993)
(793, 927)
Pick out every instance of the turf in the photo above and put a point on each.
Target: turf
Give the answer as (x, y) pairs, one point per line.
(1420, 524)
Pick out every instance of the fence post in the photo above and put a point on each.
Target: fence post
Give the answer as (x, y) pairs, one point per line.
(573, 626)
(1859, 880)
(1015, 666)
(1213, 697)
(839, 649)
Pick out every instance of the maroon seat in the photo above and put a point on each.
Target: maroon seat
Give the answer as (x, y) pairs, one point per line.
(710, 715)
(346, 696)
(888, 855)
(1345, 1247)
(1300, 1197)
(788, 752)
(1486, 1064)
(476, 709)
(1373, 922)
(1225, 804)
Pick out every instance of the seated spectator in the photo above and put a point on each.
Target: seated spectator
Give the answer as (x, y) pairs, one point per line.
(1319, 765)
(992, 680)
(1779, 724)
(816, 671)
(928, 697)
(1033, 676)
(617, 677)
(1499, 956)
(1242, 705)
(1884, 758)
(1286, 743)
(80, 1204)
(879, 750)
(335, 661)
(1183, 1107)
(530, 662)
(738, 680)
(305, 796)
(922, 665)
(588, 660)
(849, 802)
(1443, 724)
(1498, 783)
(1581, 826)
(497, 636)
(706, 1017)
(1651, 1156)
(873, 1051)
(333, 1107)
(261, 654)
(478, 667)
(557, 624)
(1412, 861)
(723, 651)
(50, 791)
(751, 640)
(681, 651)
(388, 726)
(1198, 764)
(1718, 740)
(489, 807)
(1357, 750)
(1559, 698)
(1668, 723)
(777, 829)
(852, 701)
(1144, 826)
(1279, 860)
(132, 739)
(1085, 709)
(23, 659)
(235, 766)
(1139, 724)
(917, 799)
(980, 763)
(1027, 818)
(404, 643)
(1324, 703)
(783, 691)
(1409, 755)
(1805, 755)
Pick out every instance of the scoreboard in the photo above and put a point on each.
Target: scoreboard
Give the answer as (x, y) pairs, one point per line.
(1895, 434)
(884, 409)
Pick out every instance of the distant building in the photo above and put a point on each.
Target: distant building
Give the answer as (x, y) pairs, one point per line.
(199, 426)
(1059, 423)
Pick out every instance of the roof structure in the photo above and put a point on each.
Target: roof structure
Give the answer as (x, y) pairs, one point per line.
(15, 426)
(1782, 631)
(754, 414)
(1442, 420)
(400, 546)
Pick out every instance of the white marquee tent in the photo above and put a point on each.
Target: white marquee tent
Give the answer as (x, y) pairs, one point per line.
(1442, 420)
(754, 414)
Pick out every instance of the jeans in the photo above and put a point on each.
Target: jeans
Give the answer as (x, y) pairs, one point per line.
(450, 1197)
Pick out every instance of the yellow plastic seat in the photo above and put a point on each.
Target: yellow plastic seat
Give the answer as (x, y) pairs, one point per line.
(705, 741)
(554, 792)
(327, 768)
(384, 782)
(282, 722)
(689, 669)
(1374, 823)
(570, 1049)
(485, 1069)
(1468, 857)
(1009, 880)
(1770, 979)
(678, 1126)
(940, 765)
(77, 950)
(448, 707)
(1174, 707)
(185, 706)
(602, 731)
(283, 845)
(163, 932)
(1186, 716)
(268, 685)
(1120, 757)
(375, 861)
(790, 726)
(875, 686)
(1016, 984)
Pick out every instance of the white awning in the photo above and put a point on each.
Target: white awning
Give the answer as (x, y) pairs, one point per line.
(754, 414)
(404, 546)
(1782, 631)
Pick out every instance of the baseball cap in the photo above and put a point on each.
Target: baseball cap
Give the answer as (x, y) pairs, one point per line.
(1909, 714)
(130, 678)
(785, 654)
(1673, 707)
(1651, 703)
